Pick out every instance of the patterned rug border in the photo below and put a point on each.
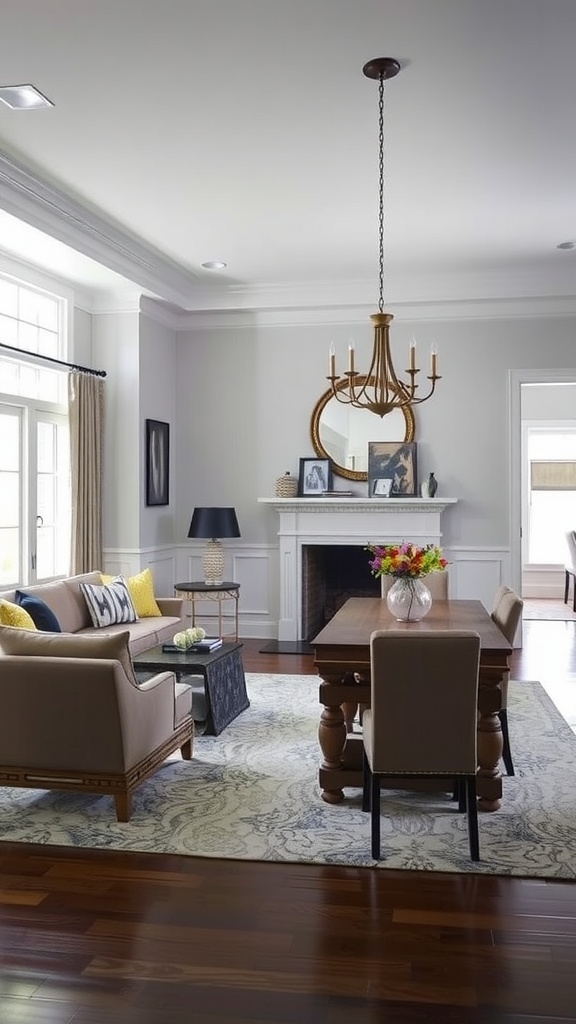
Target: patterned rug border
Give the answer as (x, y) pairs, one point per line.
(252, 794)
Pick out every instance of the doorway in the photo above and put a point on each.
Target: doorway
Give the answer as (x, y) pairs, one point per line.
(542, 426)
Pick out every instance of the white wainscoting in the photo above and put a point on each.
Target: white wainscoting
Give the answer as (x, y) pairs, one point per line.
(475, 574)
(130, 561)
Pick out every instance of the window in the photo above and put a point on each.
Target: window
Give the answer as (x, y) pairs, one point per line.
(550, 491)
(35, 450)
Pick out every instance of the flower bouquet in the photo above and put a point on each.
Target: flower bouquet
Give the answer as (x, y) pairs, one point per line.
(405, 560)
(408, 599)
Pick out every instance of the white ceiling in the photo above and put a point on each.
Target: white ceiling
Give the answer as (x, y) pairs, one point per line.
(245, 131)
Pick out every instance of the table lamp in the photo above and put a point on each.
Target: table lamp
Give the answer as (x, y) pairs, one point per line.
(214, 523)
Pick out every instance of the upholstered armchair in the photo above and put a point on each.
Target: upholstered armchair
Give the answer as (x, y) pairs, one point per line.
(74, 718)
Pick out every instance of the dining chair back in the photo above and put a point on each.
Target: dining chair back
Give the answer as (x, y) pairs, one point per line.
(422, 718)
(506, 613)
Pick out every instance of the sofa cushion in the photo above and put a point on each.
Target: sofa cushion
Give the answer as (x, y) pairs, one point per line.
(43, 616)
(141, 589)
(109, 604)
(69, 645)
(145, 633)
(13, 615)
(63, 597)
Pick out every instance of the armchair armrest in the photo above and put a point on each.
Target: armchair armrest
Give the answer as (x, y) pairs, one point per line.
(170, 605)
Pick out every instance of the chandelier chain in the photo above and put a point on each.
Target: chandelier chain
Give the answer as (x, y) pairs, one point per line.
(381, 195)
(380, 390)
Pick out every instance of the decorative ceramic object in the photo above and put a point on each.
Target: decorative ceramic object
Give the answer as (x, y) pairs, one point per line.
(424, 491)
(188, 637)
(432, 485)
(286, 486)
(409, 599)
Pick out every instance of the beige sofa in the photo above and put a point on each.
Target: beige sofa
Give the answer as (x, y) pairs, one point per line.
(66, 600)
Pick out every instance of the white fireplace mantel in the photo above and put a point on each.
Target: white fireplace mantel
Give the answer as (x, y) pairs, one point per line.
(344, 521)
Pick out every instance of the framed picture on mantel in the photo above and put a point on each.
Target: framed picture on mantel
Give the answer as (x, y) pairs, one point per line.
(395, 461)
(314, 478)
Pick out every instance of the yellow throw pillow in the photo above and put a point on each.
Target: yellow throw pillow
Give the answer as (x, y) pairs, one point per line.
(141, 589)
(14, 615)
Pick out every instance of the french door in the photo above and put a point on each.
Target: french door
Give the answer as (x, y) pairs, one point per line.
(34, 493)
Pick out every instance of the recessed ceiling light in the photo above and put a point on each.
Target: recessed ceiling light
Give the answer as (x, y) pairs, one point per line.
(214, 265)
(566, 245)
(23, 97)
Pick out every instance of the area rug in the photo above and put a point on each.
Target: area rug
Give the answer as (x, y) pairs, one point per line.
(252, 794)
(553, 610)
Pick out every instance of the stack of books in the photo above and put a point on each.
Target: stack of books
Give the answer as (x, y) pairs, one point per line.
(209, 643)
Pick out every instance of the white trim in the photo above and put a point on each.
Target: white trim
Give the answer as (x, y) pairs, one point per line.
(515, 380)
(48, 208)
(544, 290)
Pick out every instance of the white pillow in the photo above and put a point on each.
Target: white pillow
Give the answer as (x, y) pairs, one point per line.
(109, 604)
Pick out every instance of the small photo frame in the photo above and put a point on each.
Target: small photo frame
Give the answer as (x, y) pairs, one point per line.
(314, 478)
(382, 487)
(395, 461)
(157, 462)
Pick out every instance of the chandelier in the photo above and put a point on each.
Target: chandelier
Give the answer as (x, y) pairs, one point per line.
(380, 390)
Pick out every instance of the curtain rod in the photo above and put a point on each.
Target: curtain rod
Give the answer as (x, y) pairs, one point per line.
(51, 359)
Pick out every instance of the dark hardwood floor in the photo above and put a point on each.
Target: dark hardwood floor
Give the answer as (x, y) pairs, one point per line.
(91, 937)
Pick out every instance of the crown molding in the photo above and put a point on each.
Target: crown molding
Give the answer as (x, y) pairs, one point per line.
(189, 301)
(459, 310)
(47, 208)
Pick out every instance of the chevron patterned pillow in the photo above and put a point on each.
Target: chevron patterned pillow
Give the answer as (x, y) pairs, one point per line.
(109, 604)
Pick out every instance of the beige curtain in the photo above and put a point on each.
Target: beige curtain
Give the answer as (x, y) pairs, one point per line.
(86, 416)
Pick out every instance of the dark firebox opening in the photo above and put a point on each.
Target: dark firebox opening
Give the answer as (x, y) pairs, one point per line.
(331, 573)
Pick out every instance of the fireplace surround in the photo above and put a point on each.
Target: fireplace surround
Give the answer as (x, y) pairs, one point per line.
(311, 523)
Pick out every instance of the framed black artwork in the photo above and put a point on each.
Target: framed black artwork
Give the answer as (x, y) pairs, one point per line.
(157, 462)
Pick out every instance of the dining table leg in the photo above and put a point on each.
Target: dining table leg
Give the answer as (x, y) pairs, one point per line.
(489, 741)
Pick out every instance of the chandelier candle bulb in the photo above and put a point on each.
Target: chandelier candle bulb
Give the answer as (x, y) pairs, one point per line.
(351, 358)
(433, 364)
(332, 355)
(412, 354)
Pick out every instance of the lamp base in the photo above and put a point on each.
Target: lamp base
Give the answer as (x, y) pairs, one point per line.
(213, 563)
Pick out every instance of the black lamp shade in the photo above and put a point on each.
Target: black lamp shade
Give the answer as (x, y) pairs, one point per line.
(214, 522)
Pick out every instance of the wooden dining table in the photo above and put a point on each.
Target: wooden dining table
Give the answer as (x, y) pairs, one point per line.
(342, 659)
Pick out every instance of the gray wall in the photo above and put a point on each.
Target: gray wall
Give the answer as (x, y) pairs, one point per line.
(245, 396)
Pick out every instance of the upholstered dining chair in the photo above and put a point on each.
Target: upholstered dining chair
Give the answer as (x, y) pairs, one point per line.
(506, 613)
(437, 583)
(570, 567)
(422, 719)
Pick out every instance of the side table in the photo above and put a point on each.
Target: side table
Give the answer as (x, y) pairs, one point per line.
(198, 591)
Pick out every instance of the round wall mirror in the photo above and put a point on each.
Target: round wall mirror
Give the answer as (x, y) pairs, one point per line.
(341, 433)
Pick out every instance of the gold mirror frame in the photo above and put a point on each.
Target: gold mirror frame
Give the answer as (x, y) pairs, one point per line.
(350, 474)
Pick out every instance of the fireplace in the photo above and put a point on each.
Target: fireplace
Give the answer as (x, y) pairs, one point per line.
(336, 525)
(330, 575)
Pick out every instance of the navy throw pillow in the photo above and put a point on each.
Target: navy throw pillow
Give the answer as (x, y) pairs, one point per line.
(42, 616)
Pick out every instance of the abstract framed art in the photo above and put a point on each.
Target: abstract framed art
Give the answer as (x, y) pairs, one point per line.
(157, 462)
